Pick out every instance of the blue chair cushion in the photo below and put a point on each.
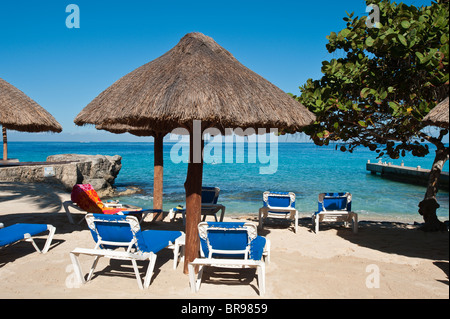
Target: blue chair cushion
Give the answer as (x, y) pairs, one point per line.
(110, 228)
(209, 195)
(11, 234)
(155, 240)
(279, 201)
(147, 241)
(334, 201)
(237, 239)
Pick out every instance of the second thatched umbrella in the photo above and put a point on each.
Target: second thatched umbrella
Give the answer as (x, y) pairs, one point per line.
(158, 159)
(20, 113)
(438, 116)
(195, 80)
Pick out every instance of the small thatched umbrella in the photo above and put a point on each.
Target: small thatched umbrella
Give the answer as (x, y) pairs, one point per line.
(20, 113)
(438, 116)
(195, 80)
(158, 159)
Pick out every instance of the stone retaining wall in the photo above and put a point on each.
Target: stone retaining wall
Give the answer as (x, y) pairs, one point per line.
(98, 170)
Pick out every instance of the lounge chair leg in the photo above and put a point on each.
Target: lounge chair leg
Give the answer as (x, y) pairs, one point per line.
(77, 268)
(176, 251)
(191, 271)
(175, 256)
(195, 283)
(30, 239)
(94, 264)
(181, 253)
(316, 223)
(136, 272)
(261, 279)
(260, 219)
(51, 233)
(151, 266)
(266, 252)
(296, 222)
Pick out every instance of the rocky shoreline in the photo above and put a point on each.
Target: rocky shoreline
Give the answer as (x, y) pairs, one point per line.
(69, 169)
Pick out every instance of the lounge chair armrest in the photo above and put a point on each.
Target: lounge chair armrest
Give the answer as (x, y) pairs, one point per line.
(113, 205)
(212, 207)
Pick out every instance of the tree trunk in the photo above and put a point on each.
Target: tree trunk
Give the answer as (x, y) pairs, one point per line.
(158, 170)
(5, 144)
(193, 187)
(427, 207)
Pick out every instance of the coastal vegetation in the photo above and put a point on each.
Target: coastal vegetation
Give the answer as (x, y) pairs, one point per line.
(389, 70)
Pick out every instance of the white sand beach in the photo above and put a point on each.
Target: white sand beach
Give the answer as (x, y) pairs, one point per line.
(335, 263)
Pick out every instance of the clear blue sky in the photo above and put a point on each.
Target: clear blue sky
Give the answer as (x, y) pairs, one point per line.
(64, 69)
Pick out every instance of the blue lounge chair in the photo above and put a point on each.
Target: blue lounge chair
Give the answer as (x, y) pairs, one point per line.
(210, 196)
(114, 231)
(230, 245)
(18, 232)
(279, 205)
(335, 207)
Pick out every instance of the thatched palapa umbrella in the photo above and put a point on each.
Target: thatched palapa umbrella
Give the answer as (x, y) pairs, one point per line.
(438, 116)
(195, 80)
(20, 113)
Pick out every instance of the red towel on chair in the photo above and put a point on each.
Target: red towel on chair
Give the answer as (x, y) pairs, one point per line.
(87, 199)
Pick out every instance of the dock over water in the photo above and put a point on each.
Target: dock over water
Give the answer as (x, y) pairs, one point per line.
(412, 175)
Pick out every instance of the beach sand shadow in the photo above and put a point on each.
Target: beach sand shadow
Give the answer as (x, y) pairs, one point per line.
(42, 195)
(399, 238)
(231, 277)
(124, 268)
(272, 223)
(444, 266)
(21, 249)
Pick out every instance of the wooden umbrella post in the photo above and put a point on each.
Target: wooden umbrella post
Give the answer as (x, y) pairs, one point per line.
(193, 187)
(158, 171)
(5, 144)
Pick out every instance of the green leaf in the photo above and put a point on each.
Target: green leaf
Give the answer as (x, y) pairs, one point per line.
(345, 32)
(420, 56)
(364, 92)
(369, 41)
(362, 123)
(393, 106)
(402, 40)
(405, 24)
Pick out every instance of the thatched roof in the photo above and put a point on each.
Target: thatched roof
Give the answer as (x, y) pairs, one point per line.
(197, 79)
(19, 112)
(438, 116)
(123, 128)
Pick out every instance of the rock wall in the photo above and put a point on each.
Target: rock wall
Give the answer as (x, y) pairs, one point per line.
(98, 170)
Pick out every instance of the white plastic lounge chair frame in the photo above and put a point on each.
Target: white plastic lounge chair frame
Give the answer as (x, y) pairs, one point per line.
(130, 254)
(344, 215)
(29, 238)
(269, 211)
(209, 261)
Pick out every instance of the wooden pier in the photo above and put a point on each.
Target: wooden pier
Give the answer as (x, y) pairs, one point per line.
(412, 175)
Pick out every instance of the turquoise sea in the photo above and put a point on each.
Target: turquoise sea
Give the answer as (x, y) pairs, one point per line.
(303, 168)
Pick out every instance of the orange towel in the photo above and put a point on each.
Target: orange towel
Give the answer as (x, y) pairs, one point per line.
(87, 199)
